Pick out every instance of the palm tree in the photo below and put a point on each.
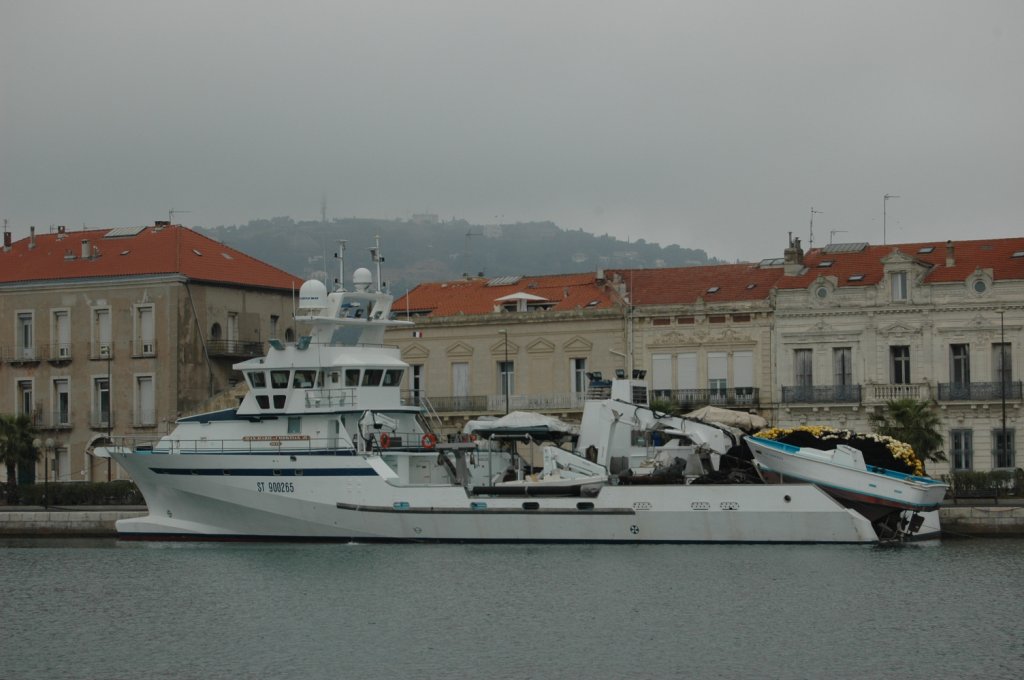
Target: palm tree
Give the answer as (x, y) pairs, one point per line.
(16, 449)
(914, 422)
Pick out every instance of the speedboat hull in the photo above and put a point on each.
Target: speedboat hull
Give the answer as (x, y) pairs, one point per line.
(872, 490)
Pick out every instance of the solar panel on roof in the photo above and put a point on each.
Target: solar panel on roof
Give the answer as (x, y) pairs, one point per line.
(504, 280)
(844, 247)
(122, 232)
(925, 250)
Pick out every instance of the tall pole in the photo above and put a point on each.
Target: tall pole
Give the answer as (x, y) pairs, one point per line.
(884, 201)
(505, 372)
(1002, 376)
(810, 241)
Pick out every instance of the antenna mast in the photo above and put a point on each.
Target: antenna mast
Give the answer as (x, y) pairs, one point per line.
(172, 212)
(341, 264)
(810, 241)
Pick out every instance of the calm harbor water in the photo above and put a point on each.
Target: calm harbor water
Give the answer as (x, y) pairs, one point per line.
(99, 608)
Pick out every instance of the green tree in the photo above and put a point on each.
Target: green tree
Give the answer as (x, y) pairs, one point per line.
(16, 450)
(914, 422)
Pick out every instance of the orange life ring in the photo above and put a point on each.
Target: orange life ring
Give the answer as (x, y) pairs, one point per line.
(429, 440)
(385, 440)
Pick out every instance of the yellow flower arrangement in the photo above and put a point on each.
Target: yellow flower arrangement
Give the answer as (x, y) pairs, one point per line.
(899, 450)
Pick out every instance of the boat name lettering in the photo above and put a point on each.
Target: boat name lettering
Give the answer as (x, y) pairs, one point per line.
(275, 437)
(276, 487)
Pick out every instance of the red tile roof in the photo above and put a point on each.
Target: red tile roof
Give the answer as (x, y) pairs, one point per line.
(475, 296)
(170, 249)
(968, 256)
(684, 285)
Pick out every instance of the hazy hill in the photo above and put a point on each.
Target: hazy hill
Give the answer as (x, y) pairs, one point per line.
(417, 252)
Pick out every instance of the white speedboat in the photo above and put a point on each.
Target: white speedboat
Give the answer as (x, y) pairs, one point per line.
(325, 446)
(873, 491)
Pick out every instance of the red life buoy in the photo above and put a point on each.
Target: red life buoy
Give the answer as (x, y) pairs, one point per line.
(385, 440)
(429, 440)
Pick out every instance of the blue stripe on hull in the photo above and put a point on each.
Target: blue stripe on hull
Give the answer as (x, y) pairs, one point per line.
(269, 472)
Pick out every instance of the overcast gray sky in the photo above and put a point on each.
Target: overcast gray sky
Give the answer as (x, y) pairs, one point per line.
(714, 125)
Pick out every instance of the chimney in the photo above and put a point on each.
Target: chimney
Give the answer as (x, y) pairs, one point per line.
(950, 258)
(61, 229)
(31, 238)
(599, 277)
(793, 256)
(7, 241)
(85, 249)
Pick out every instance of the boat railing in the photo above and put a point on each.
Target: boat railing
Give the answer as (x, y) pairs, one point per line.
(380, 443)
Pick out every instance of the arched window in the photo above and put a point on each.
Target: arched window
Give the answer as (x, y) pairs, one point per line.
(289, 335)
(215, 331)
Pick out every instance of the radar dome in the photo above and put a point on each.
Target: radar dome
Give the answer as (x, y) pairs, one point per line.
(361, 279)
(313, 295)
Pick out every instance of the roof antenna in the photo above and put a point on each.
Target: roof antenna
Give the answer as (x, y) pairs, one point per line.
(172, 212)
(810, 242)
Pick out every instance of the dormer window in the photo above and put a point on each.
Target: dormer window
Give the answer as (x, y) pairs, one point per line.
(899, 286)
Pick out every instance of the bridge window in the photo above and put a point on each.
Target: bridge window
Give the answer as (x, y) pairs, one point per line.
(258, 379)
(351, 377)
(304, 378)
(279, 380)
(372, 377)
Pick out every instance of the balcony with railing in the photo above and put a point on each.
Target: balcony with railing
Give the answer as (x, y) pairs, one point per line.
(100, 419)
(495, 403)
(143, 348)
(690, 399)
(894, 391)
(144, 418)
(20, 354)
(58, 420)
(980, 391)
(821, 394)
(235, 349)
(58, 352)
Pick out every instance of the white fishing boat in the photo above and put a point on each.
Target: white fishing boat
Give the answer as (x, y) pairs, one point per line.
(326, 446)
(841, 472)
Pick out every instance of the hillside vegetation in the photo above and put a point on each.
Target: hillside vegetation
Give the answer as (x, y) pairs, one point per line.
(415, 253)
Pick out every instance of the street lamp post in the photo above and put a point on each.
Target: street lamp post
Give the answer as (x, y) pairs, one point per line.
(504, 368)
(45, 447)
(1002, 378)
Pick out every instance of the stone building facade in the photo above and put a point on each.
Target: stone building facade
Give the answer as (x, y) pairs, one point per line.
(120, 331)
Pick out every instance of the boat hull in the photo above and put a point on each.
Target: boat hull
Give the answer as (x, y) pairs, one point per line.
(350, 498)
(871, 493)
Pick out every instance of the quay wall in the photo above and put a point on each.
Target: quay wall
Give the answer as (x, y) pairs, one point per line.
(63, 522)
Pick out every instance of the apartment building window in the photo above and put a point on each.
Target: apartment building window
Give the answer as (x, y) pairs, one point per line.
(899, 285)
(718, 375)
(1002, 367)
(962, 444)
(507, 377)
(145, 401)
(960, 365)
(101, 402)
(842, 366)
(743, 375)
(145, 331)
(900, 362)
(661, 373)
(803, 369)
(62, 464)
(25, 405)
(1003, 448)
(460, 379)
(25, 340)
(232, 330)
(61, 402)
(416, 381)
(61, 334)
(101, 333)
(686, 371)
(578, 368)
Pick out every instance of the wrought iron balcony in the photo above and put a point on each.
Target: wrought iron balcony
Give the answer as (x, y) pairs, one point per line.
(821, 394)
(58, 352)
(691, 399)
(235, 348)
(459, 404)
(980, 391)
